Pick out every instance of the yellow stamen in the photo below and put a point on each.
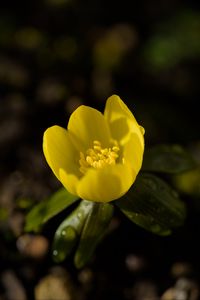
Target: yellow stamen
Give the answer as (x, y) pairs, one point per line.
(98, 157)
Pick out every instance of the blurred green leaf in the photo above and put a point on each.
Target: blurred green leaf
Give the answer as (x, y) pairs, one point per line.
(152, 204)
(174, 40)
(93, 231)
(188, 182)
(45, 210)
(24, 203)
(3, 213)
(167, 159)
(69, 230)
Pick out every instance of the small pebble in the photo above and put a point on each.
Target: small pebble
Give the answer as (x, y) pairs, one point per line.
(35, 246)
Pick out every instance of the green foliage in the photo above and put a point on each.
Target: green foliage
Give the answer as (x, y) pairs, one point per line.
(188, 182)
(85, 226)
(47, 209)
(170, 159)
(152, 204)
(94, 230)
(3, 214)
(69, 230)
(175, 40)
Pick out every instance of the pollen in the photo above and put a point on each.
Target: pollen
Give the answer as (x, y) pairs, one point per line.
(98, 157)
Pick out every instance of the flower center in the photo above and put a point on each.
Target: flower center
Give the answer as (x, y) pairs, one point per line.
(98, 157)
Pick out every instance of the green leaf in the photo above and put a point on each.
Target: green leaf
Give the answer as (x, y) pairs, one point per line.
(47, 209)
(3, 213)
(69, 231)
(64, 243)
(170, 159)
(152, 204)
(93, 231)
(188, 182)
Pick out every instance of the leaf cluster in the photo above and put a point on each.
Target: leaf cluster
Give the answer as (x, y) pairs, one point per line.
(151, 203)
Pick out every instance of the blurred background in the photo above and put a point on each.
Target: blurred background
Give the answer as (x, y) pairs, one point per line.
(54, 56)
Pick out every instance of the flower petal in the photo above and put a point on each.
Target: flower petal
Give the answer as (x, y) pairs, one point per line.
(107, 184)
(121, 120)
(88, 124)
(59, 151)
(69, 181)
(133, 152)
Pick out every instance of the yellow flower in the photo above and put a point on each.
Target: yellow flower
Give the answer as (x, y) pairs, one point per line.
(99, 155)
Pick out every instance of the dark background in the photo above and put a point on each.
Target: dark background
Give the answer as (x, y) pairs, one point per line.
(58, 54)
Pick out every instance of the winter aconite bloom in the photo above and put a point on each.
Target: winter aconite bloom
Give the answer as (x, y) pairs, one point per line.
(99, 155)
